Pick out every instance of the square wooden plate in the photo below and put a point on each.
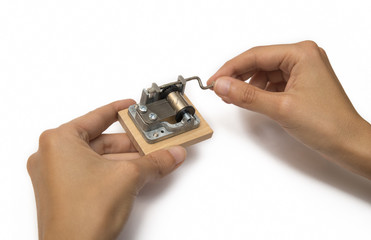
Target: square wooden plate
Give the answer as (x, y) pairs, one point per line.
(191, 137)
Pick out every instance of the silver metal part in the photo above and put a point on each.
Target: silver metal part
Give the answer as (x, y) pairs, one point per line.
(163, 112)
(143, 108)
(187, 117)
(152, 116)
(160, 130)
(200, 83)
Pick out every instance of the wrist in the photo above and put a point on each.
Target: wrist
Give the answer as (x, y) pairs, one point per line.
(75, 221)
(77, 224)
(353, 149)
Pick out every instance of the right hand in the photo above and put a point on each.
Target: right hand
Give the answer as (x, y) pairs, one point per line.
(295, 85)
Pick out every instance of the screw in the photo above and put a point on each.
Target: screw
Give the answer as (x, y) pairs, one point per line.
(152, 116)
(142, 108)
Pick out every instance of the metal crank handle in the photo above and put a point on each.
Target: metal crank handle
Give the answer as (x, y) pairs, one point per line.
(200, 82)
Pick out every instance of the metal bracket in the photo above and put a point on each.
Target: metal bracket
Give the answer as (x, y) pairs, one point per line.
(163, 112)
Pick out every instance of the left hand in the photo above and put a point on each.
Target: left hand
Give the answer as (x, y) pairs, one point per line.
(85, 182)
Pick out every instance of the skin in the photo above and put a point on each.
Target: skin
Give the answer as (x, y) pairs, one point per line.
(295, 85)
(85, 182)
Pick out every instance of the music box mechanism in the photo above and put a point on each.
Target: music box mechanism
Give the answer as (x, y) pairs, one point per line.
(163, 111)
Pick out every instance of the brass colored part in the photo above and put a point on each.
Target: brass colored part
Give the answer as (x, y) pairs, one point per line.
(176, 101)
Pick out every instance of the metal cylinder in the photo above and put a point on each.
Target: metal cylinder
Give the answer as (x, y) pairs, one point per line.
(180, 105)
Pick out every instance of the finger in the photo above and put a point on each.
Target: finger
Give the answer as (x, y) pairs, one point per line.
(259, 80)
(122, 156)
(112, 143)
(271, 87)
(275, 76)
(276, 87)
(247, 96)
(246, 76)
(95, 122)
(281, 86)
(160, 163)
(265, 58)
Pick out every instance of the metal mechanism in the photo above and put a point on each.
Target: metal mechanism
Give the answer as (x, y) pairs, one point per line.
(163, 111)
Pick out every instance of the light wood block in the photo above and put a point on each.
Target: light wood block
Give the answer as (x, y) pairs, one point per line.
(191, 137)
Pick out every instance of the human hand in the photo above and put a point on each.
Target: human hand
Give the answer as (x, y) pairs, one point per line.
(295, 85)
(85, 182)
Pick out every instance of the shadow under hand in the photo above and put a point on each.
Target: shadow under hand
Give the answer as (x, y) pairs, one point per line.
(270, 136)
(147, 196)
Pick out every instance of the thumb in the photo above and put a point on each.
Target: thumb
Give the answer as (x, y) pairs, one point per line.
(160, 163)
(246, 96)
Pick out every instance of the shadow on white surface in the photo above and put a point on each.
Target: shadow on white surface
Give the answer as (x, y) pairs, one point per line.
(272, 138)
(146, 196)
(268, 135)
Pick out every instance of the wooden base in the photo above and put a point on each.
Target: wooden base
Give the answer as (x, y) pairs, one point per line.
(191, 137)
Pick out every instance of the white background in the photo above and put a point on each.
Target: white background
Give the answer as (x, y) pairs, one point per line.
(61, 59)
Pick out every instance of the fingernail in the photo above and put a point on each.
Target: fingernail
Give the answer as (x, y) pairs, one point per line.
(222, 86)
(179, 154)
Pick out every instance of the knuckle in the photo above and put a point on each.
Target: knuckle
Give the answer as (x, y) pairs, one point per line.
(248, 95)
(284, 108)
(47, 137)
(309, 49)
(227, 63)
(31, 163)
(252, 50)
(309, 44)
(51, 138)
(322, 51)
